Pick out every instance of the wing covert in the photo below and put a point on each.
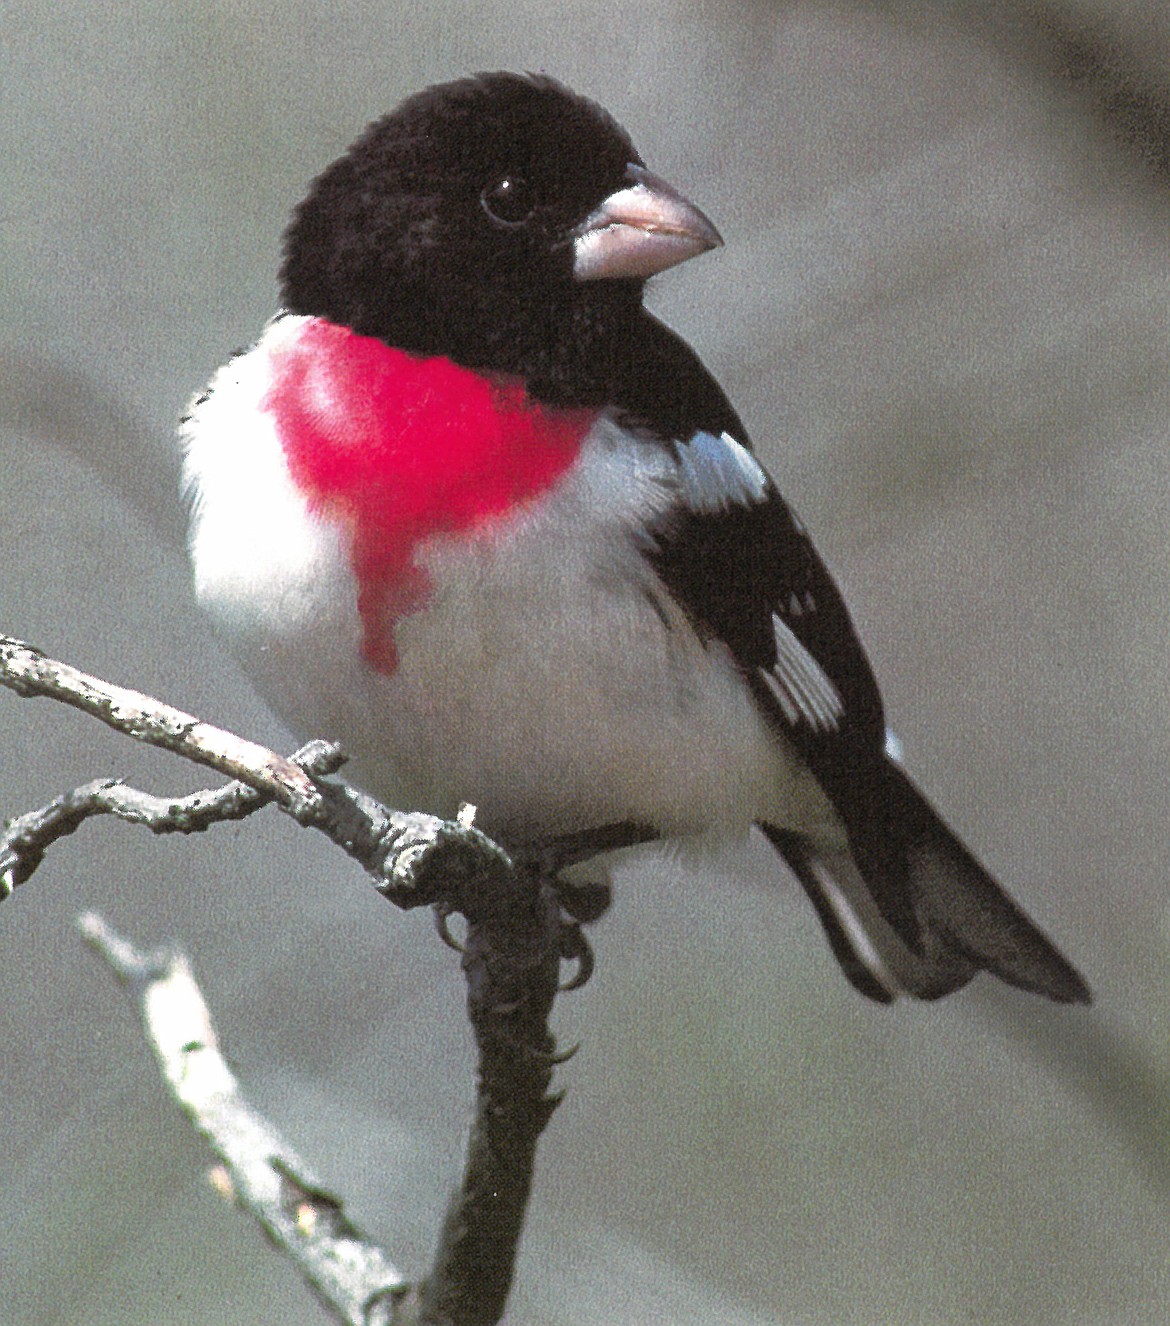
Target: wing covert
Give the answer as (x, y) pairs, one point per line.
(740, 563)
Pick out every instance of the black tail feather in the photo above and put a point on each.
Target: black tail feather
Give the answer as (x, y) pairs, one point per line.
(916, 912)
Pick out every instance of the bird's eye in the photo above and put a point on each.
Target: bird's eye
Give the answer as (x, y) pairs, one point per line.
(508, 201)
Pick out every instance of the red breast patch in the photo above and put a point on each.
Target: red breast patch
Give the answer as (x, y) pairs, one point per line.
(402, 448)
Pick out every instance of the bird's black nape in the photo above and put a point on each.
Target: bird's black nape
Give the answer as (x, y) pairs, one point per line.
(446, 227)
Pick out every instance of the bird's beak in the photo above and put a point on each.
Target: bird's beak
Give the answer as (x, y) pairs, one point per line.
(641, 229)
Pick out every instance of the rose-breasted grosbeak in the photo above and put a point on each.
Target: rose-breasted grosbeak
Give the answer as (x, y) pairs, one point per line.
(469, 509)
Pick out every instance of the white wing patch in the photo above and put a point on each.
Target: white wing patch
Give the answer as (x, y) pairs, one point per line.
(715, 472)
(800, 685)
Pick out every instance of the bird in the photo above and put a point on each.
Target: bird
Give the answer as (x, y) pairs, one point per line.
(469, 508)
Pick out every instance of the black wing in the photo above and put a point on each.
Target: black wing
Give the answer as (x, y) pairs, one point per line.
(734, 555)
(906, 906)
(741, 562)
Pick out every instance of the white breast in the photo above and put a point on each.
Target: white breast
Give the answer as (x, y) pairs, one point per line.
(549, 680)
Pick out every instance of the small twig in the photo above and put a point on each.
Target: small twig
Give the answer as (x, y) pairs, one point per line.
(25, 839)
(27, 671)
(351, 1276)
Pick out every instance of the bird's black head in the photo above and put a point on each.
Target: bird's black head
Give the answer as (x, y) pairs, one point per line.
(500, 220)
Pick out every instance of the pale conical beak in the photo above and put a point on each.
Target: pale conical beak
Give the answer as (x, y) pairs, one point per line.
(639, 230)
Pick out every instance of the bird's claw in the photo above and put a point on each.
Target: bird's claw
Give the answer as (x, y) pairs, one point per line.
(442, 925)
(574, 947)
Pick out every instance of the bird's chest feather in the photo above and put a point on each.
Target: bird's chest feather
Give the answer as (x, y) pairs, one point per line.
(398, 451)
(447, 579)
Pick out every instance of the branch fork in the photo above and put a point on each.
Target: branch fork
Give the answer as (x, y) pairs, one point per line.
(521, 923)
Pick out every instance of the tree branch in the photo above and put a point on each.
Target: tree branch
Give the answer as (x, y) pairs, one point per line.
(351, 1276)
(511, 959)
(397, 848)
(27, 671)
(521, 923)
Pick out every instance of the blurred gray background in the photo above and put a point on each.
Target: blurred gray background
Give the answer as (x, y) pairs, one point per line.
(942, 311)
